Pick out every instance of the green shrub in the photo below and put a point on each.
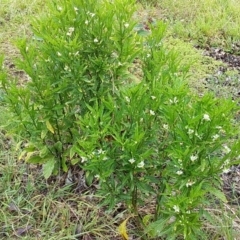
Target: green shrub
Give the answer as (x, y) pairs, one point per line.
(79, 53)
(142, 135)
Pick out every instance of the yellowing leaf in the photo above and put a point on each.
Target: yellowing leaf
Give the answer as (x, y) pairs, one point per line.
(49, 127)
(22, 154)
(29, 155)
(18, 146)
(122, 229)
(147, 218)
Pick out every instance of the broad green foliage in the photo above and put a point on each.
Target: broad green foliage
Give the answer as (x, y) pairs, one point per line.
(144, 140)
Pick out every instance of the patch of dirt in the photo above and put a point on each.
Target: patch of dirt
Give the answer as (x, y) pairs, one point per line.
(225, 82)
(231, 185)
(232, 60)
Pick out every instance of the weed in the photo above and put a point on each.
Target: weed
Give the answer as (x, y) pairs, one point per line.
(146, 139)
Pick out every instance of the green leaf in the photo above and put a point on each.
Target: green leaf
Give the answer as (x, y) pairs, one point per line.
(58, 146)
(156, 228)
(43, 133)
(48, 168)
(35, 159)
(44, 152)
(64, 165)
(146, 219)
(144, 187)
(73, 151)
(219, 194)
(89, 178)
(75, 161)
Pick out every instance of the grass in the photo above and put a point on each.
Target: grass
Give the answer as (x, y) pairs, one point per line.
(206, 22)
(180, 20)
(30, 208)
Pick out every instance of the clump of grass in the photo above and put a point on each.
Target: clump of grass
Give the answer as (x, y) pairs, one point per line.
(30, 209)
(15, 22)
(223, 222)
(200, 66)
(205, 21)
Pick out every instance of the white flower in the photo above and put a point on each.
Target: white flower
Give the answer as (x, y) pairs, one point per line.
(132, 160)
(70, 31)
(76, 53)
(193, 158)
(176, 208)
(86, 22)
(222, 131)
(83, 159)
(226, 170)
(97, 176)
(153, 97)
(189, 183)
(59, 8)
(75, 9)
(215, 137)
(127, 99)
(91, 14)
(227, 161)
(95, 40)
(141, 164)
(198, 136)
(114, 55)
(225, 166)
(148, 55)
(59, 54)
(206, 117)
(179, 172)
(165, 126)
(152, 112)
(190, 131)
(226, 149)
(126, 25)
(66, 68)
(100, 151)
(174, 100)
(171, 220)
